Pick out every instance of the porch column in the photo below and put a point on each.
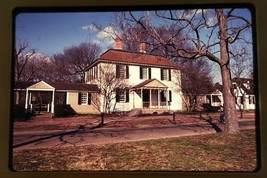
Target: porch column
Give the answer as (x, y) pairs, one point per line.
(142, 98)
(211, 100)
(150, 98)
(30, 101)
(158, 99)
(26, 100)
(167, 97)
(52, 103)
(133, 99)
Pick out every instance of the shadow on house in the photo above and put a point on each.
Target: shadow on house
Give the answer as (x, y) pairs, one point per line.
(214, 126)
(64, 111)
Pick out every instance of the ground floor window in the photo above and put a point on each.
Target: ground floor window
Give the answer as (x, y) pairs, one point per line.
(84, 98)
(122, 95)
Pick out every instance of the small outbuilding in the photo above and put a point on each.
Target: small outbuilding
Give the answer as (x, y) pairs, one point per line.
(46, 96)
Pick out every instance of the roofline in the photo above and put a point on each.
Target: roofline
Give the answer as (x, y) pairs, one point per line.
(132, 63)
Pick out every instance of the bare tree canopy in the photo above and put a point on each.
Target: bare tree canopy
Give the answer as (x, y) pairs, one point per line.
(71, 64)
(196, 80)
(192, 34)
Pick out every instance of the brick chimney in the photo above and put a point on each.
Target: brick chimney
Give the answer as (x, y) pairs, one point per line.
(142, 47)
(118, 43)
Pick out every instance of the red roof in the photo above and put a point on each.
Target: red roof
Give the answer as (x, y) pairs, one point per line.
(60, 86)
(115, 55)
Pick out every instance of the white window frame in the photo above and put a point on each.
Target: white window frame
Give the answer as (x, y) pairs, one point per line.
(84, 98)
(165, 77)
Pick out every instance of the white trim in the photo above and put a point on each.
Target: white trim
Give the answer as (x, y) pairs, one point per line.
(43, 83)
(26, 100)
(67, 98)
(39, 89)
(52, 103)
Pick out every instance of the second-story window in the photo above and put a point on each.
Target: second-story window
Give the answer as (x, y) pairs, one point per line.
(145, 73)
(122, 71)
(165, 74)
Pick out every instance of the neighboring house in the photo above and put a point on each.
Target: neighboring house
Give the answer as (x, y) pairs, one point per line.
(45, 96)
(243, 89)
(148, 82)
(244, 92)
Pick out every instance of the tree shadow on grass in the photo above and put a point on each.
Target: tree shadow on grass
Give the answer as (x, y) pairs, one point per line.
(213, 125)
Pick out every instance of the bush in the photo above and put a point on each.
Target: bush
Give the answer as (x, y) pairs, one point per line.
(64, 111)
(20, 114)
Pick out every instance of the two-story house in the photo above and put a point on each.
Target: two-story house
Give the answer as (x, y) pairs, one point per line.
(139, 80)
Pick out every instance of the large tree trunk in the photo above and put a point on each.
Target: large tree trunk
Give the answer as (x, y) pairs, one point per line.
(231, 121)
(231, 125)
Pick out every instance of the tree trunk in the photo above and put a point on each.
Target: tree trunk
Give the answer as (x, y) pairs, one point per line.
(231, 121)
(231, 125)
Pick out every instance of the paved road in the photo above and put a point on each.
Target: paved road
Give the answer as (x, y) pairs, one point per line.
(56, 139)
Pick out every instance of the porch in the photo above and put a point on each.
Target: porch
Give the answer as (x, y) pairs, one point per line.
(153, 95)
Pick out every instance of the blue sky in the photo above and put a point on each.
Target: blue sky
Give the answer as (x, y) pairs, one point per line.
(49, 33)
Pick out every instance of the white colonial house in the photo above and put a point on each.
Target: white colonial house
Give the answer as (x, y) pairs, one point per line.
(244, 92)
(144, 82)
(243, 89)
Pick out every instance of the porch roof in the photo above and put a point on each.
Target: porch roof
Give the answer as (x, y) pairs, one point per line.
(150, 84)
(58, 86)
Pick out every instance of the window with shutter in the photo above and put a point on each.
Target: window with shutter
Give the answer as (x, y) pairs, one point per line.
(84, 98)
(170, 77)
(165, 74)
(145, 73)
(122, 71)
(122, 96)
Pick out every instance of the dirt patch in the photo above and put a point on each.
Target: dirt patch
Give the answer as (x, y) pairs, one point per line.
(37, 124)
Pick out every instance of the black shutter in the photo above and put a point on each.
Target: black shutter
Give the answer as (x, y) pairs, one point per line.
(161, 74)
(141, 72)
(127, 95)
(149, 73)
(117, 71)
(170, 95)
(170, 77)
(127, 72)
(79, 99)
(89, 98)
(117, 95)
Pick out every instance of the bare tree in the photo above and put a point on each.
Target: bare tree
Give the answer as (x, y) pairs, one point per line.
(22, 56)
(195, 80)
(107, 82)
(242, 68)
(74, 60)
(199, 33)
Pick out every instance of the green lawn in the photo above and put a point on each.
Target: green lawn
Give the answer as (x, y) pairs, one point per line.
(213, 152)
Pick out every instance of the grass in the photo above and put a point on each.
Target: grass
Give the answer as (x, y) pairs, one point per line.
(214, 152)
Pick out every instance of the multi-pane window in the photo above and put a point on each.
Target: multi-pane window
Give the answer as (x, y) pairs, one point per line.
(145, 73)
(122, 96)
(166, 74)
(92, 73)
(122, 71)
(251, 99)
(84, 98)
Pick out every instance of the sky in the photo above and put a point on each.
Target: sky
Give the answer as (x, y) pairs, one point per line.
(50, 33)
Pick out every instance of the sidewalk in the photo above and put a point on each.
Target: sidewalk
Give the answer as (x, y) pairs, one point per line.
(102, 135)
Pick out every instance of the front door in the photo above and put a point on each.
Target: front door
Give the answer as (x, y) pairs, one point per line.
(146, 98)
